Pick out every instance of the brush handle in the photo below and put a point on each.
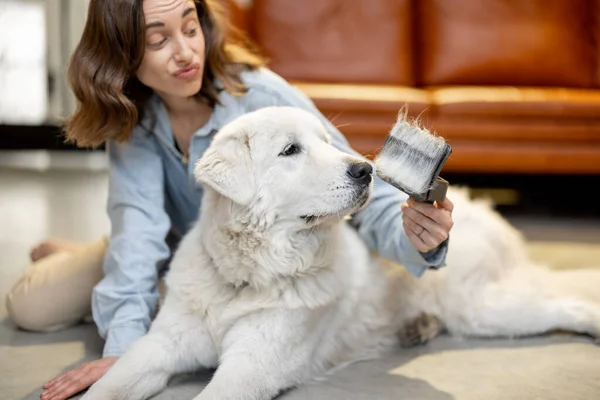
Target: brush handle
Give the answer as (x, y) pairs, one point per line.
(438, 193)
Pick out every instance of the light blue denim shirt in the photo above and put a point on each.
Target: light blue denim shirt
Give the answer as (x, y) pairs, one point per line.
(152, 192)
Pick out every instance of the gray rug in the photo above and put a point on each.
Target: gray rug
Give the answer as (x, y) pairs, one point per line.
(558, 366)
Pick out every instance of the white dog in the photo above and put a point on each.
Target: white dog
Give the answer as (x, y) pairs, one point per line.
(274, 288)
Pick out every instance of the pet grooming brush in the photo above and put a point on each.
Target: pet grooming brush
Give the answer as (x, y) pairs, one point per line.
(411, 160)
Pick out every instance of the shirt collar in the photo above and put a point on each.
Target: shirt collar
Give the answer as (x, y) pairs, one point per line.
(156, 118)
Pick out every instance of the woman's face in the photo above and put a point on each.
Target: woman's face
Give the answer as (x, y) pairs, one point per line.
(173, 62)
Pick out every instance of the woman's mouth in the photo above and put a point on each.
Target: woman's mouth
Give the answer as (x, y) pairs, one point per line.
(187, 72)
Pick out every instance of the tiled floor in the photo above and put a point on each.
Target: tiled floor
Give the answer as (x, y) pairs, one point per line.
(68, 201)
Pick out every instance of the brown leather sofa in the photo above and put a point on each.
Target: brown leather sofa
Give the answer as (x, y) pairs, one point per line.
(513, 85)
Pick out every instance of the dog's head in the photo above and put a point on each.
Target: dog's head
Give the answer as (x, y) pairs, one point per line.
(280, 160)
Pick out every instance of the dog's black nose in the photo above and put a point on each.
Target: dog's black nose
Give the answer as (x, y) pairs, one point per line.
(361, 172)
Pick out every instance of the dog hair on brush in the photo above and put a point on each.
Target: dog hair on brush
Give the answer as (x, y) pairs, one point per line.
(411, 157)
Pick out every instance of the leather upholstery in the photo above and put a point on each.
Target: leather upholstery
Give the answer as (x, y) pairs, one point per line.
(546, 103)
(373, 98)
(513, 85)
(506, 42)
(332, 40)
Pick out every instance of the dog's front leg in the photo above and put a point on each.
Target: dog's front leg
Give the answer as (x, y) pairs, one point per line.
(264, 354)
(178, 342)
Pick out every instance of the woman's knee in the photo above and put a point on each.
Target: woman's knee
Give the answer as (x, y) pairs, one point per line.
(55, 292)
(23, 312)
(31, 303)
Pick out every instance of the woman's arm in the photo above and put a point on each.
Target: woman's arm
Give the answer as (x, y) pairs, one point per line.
(124, 301)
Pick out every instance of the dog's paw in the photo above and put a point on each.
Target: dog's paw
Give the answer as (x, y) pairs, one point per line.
(420, 330)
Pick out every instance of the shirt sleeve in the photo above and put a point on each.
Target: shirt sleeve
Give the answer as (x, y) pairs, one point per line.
(124, 301)
(380, 223)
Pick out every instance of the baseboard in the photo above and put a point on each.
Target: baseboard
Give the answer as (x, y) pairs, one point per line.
(543, 195)
(34, 137)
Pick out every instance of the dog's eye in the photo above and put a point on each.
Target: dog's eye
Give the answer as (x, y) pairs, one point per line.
(290, 150)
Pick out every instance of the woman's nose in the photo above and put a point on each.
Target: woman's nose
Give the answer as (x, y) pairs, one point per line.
(183, 51)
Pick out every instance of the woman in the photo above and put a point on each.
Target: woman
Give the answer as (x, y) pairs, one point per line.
(155, 80)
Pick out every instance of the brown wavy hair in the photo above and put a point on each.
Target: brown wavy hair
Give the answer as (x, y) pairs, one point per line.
(102, 70)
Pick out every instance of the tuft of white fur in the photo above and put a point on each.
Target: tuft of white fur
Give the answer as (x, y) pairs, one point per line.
(411, 156)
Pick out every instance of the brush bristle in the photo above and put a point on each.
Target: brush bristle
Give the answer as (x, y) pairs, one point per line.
(412, 157)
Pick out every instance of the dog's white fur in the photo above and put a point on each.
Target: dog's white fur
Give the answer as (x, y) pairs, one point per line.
(273, 300)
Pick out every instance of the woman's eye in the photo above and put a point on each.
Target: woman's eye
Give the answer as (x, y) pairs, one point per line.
(191, 27)
(156, 42)
(289, 150)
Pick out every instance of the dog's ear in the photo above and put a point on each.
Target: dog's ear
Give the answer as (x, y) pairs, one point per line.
(226, 166)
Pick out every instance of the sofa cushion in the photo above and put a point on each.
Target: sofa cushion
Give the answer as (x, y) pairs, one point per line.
(516, 130)
(366, 98)
(500, 42)
(530, 102)
(522, 158)
(366, 41)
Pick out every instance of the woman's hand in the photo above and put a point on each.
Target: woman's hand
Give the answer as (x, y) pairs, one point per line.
(427, 225)
(66, 385)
